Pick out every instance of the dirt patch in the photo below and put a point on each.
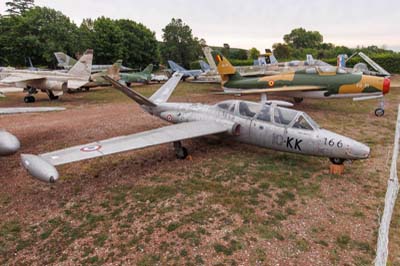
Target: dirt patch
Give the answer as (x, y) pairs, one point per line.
(233, 204)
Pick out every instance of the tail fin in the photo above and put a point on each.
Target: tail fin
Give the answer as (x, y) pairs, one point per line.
(160, 96)
(83, 68)
(64, 60)
(224, 67)
(310, 59)
(148, 69)
(341, 61)
(175, 67)
(204, 66)
(113, 71)
(207, 52)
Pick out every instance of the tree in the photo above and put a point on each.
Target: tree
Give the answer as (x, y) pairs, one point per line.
(281, 51)
(300, 38)
(37, 33)
(254, 53)
(139, 44)
(179, 44)
(18, 7)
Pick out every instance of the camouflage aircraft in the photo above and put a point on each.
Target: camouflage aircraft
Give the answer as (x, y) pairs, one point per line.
(314, 82)
(261, 124)
(67, 62)
(9, 144)
(140, 77)
(53, 83)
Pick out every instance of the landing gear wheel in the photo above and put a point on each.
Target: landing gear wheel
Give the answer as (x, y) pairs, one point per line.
(379, 112)
(128, 84)
(86, 88)
(180, 151)
(297, 99)
(29, 99)
(337, 161)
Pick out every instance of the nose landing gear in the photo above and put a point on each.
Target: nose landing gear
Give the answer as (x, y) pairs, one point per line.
(380, 111)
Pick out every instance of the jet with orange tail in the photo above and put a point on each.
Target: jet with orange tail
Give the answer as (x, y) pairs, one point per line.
(321, 82)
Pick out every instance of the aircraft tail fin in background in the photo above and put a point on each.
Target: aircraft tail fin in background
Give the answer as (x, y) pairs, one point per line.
(341, 60)
(224, 67)
(204, 66)
(64, 60)
(175, 67)
(148, 69)
(273, 59)
(83, 68)
(113, 71)
(207, 53)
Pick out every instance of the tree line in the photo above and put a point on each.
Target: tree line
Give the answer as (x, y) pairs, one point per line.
(29, 31)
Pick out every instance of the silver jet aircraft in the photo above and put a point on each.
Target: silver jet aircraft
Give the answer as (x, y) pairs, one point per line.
(54, 83)
(261, 124)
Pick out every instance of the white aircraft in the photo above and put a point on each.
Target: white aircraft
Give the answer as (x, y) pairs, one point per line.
(53, 83)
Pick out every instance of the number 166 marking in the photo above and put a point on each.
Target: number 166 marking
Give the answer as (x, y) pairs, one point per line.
(332, 143)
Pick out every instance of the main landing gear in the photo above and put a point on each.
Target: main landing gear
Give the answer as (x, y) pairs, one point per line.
(29, 99)
(180, 151)
(51, 95)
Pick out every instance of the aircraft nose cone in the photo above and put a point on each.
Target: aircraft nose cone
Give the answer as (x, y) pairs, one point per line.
(9, 144)
(359, 151)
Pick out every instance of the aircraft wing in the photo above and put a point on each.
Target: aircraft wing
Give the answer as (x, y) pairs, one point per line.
(17, 110)
(14, 78)
(272, 90)
(141, 140)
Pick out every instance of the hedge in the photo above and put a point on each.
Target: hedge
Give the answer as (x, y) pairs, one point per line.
(390, 62)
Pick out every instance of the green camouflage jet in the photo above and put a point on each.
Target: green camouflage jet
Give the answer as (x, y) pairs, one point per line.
(140, 77)
(323, 82)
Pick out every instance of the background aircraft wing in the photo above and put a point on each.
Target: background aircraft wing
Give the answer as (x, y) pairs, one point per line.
(135, 141)
(14, 78)
(272, 90)
(4, 91)
(17, 110)
(76, 84)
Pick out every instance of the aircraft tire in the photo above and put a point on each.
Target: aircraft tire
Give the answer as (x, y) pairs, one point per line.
(128, 84)
(379, 112)
(337, 161)
(298, 99)
(29, 99)
(182, 153)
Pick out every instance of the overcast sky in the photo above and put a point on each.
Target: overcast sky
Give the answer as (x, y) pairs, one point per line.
(252, 23)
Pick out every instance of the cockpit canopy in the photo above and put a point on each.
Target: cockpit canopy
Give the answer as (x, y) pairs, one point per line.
(269, 113)
(324, 70)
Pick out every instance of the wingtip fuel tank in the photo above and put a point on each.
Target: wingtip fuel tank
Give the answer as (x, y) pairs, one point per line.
(9, 144)
(39, 168)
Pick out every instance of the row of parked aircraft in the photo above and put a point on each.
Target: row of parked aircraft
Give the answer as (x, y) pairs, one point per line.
(267, 123)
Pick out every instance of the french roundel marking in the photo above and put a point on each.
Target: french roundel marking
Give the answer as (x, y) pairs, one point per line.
(91, 148)
(169, 117)
(271, 83)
